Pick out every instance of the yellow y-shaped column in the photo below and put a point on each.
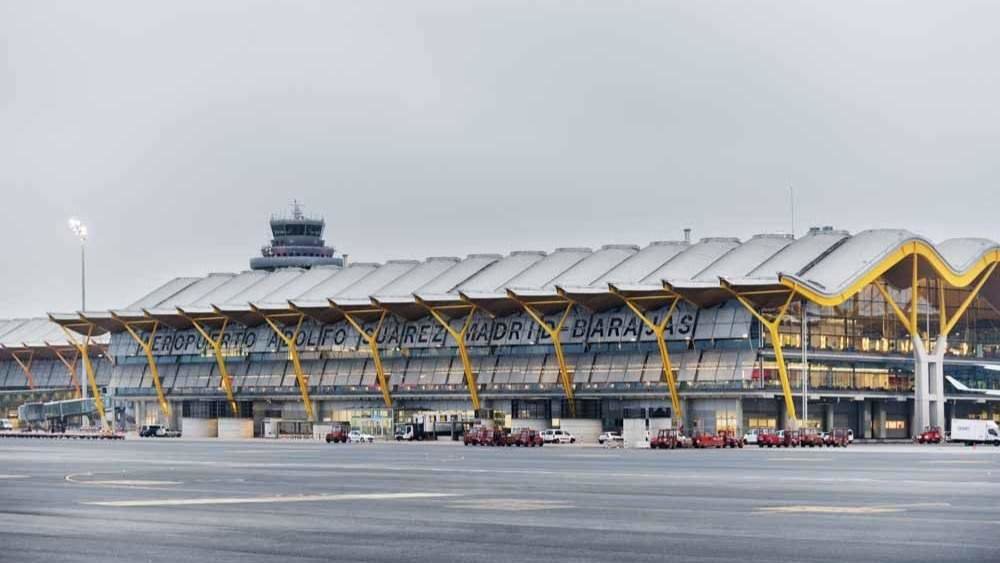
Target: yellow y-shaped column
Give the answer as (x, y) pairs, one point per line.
(555, 334)
(220, 360)
(772, 326)
(146, 344)
(659, 329)
(71, 368)
(463, 352)
(372, 341)
(82, 345)
(25, 366)
(293, 353)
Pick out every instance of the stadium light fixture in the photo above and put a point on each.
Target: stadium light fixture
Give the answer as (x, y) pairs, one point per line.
(80, 231)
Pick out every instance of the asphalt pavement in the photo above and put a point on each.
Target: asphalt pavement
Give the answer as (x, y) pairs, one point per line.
(193, 501)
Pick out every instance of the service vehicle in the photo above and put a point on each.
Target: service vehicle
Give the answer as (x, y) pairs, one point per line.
(730, 439)
(610, 438)
(472, 437)
(707, 440)
(930, 435)
(810, 437)
(359, 437)
(526, 437)
(5, 425)
(768, 438)
(557, 436)
(670, 439)
(750, 437)
(338, 433)
(837, 438)
(413, 431)
(789, 438)
(158, 431)
(969, 431)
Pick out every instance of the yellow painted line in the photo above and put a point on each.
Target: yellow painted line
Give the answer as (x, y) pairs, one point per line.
(271, 499)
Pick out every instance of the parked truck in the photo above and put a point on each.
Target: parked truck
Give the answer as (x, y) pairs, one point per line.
(971, 432)
(414, 431)
(930, 435)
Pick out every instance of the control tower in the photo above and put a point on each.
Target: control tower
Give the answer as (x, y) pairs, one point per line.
(297, 242)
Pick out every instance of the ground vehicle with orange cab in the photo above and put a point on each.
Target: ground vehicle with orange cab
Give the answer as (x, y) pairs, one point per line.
(810, 437)
(930, 435)
(768, 438)
(730, 439)
(707, 440)
(338, 433)
(669, 439)
(789, 438)
(526, 437)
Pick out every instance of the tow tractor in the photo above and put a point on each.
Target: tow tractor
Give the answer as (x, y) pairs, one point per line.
(730, 439)
(669, 439)
(472, 437)
(930, 435)
(769, 438)
(338, 433)
(707, 440)
(526, 437)
(838, 438)
(789, 438)
(810, 437)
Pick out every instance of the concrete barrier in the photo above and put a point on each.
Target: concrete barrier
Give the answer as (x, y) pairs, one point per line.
(585, 430)
(235, 428)
(200, 427)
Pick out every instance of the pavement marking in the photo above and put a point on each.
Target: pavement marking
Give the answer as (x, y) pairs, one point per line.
(937, 461)
(132, 483)
(510, 504)
(873, 509)
(271, 499)
(801, 459)
(15, 476)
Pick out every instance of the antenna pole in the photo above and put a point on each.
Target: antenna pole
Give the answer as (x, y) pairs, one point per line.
(791, 202)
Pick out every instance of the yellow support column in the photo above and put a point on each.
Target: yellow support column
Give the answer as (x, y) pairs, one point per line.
(220, 360)
(659, 329)
(82, 346)
(372, 341)
(555, 333)
(463, 352)
(969, 299)
(25, 366)
(146, 344)
(293, 353)
(71, 368)
(772, 326)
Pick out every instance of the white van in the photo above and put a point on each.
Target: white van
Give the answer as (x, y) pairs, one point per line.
(557, 436)
(970, 432)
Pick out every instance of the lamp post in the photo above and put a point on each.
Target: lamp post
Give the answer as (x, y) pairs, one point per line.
(80, 230)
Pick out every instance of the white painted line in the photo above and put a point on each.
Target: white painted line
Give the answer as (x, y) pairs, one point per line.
(15, 476)
(272, 499)
(877, 509)
(132, 483)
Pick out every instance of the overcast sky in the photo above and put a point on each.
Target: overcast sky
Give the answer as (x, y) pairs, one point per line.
(443, 128)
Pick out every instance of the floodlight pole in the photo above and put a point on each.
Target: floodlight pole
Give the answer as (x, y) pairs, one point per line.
(805, 364)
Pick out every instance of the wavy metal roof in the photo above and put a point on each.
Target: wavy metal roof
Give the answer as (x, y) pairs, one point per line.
(824, 264)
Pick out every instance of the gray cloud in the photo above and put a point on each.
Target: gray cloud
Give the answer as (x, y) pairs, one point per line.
(439, 128)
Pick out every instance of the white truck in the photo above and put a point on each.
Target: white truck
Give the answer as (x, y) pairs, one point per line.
(970, 432)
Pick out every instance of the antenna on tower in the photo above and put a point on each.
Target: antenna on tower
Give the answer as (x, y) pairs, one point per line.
(296, 209)
(791, 203)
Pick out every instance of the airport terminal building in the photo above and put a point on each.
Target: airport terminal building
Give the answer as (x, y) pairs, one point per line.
(707, 334)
